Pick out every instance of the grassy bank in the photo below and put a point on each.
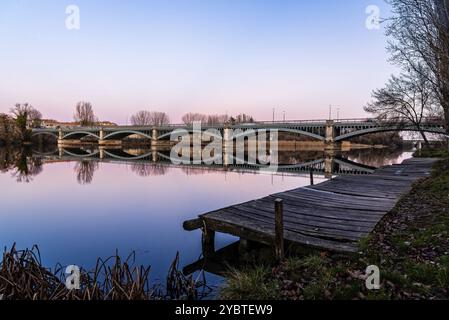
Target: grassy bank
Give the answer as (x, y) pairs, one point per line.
(410, 246)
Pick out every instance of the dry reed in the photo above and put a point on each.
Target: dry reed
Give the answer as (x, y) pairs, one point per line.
(23, 277)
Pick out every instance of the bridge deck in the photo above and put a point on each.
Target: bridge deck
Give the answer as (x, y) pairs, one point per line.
(333, 215)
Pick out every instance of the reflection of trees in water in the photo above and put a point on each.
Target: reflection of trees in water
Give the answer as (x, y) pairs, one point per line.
(85, 171)
(45, 148)
(26, 167)
(192, 171)
(149, 169)
(7, 159)
(374, 157)
(298, 156)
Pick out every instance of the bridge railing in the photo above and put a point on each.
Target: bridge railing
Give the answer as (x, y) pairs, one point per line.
(218, 125)
(391, 121)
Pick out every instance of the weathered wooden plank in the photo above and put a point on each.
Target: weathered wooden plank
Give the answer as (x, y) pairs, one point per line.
(265, 234)
(331, 199)
(193, 224)
(296, 211)
(357, 192)
(333, 215)
(299, 227)
(301, 221)
(298, 208)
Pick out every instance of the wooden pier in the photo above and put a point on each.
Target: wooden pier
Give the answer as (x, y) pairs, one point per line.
(333, 215)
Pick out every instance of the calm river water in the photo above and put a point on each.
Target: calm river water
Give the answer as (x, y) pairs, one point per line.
(76, 211)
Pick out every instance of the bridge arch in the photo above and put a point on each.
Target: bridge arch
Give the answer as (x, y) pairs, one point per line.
(354, 166)
(131, 157)
(189, 130)
(245, 132)
(362, 132)
(301, 132)
(48, 133)
(126, 133)
(82, 133)
(86, 155)
(49, 153)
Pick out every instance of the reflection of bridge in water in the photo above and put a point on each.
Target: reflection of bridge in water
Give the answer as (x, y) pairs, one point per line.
(327, 165)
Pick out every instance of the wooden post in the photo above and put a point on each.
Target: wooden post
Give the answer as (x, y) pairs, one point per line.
(208, 242)
(311, 176)
(243, 246)
(279, 229)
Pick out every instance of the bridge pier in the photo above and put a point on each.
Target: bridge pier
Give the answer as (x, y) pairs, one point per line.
(154, 155)
(228, 147)
(60, 137)
(329, 142)
(104, 142)
(154, 135)
(328, 166)
(102, 154)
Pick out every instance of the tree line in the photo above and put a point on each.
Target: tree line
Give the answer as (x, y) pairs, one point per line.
(25, 117)
(418, 32)
(157, 118)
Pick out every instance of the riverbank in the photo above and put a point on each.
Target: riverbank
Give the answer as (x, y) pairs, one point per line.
(410, 246)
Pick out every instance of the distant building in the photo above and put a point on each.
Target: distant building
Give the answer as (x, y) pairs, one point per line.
(106, 124)
(51, 124)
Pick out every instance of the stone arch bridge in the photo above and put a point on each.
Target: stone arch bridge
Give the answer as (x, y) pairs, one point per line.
(329, 131)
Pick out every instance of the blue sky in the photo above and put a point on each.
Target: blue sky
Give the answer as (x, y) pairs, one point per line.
(208, 56)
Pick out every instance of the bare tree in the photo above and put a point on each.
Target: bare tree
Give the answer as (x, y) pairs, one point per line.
(419, 31)
(85, 171)
(147, 118)
(217, 119)
(26, 111)
(26, 116)
(84, 114)
(190, 118)
(408, 96)
(149, 169)
(34, 118)
(159, 118)
(141, 118)
(242, 118)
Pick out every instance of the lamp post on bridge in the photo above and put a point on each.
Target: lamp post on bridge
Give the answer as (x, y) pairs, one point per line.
(330, 111)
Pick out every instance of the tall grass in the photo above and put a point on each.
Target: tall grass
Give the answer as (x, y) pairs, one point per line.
(23, 277)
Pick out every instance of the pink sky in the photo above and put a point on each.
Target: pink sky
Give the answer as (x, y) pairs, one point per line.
(208, 57)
